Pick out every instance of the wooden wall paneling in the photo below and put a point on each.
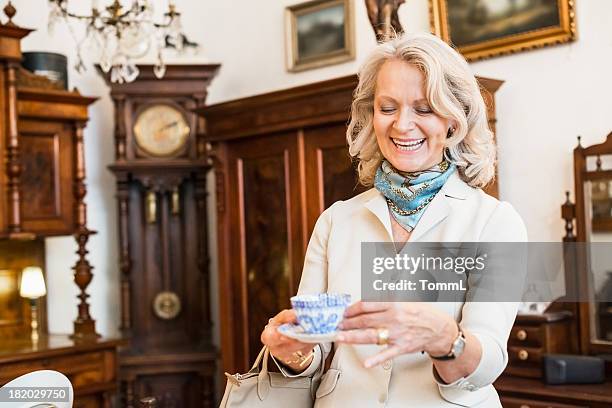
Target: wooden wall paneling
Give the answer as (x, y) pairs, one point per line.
(268, 249)
(330, 173)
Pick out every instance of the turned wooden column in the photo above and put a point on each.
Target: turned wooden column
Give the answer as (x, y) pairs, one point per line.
(125, 264)
(10, 57)
(84, 325)
(13, 167)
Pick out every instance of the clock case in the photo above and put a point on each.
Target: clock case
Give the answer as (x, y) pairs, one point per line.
(163, 246)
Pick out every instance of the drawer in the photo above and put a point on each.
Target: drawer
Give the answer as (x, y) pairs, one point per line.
(81, 368)
(526, 336)
(509, 402)
(525, 355)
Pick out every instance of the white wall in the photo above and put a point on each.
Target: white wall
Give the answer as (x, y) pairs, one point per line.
(550, 96)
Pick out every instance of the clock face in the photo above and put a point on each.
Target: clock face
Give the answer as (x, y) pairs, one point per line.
(161, 130)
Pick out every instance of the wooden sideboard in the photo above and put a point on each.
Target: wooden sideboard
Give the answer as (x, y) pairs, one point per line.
(91, 366)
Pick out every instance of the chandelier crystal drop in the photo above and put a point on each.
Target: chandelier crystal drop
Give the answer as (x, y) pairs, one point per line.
(117, 34)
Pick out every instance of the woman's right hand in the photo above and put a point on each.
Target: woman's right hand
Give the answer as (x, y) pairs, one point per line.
(283, 348)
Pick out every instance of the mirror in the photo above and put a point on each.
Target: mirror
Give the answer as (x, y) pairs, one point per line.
(593, 213)
(598, 207)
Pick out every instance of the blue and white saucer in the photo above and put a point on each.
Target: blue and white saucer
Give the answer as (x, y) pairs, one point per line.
(296, 332)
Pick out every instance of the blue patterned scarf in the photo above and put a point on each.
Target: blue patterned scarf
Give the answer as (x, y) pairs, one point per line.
(408, 194)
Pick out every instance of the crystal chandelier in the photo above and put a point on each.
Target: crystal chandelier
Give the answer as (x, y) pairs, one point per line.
(118, 34)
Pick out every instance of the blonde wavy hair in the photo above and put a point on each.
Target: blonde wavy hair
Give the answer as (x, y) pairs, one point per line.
(452, 92)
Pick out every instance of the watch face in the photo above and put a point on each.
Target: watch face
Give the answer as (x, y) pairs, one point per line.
(161, 130)
(458, 346)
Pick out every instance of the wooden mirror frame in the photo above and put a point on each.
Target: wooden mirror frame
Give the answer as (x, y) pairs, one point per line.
(581, 175)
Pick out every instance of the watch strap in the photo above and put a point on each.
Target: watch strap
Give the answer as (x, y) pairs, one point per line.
(451, 355)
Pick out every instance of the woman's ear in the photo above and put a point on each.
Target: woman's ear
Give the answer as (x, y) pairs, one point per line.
(452, 127)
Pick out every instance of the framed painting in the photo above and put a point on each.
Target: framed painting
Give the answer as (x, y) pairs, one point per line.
(487, 28)
(319, 33)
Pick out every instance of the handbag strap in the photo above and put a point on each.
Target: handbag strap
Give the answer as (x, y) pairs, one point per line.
(255, 367)
(263, 381)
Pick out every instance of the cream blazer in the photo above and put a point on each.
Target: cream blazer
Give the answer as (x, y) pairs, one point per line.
(458, 213)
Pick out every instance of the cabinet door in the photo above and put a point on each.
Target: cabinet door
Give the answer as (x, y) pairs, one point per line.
(330, 173)
(47, 177)
(265, 238)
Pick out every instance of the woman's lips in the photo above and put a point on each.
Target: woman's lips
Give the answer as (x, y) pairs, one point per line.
(408, 145)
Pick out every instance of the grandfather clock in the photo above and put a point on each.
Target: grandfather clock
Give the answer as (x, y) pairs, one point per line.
(161, 166)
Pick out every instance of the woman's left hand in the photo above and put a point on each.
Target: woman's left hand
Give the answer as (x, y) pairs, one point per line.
(412, 327)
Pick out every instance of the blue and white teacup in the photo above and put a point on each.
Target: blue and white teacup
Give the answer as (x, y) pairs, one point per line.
(320, 313)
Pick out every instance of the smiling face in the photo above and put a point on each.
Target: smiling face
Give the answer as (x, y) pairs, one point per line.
(409, 134)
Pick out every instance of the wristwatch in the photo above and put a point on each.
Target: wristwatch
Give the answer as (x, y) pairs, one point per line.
(456, 349)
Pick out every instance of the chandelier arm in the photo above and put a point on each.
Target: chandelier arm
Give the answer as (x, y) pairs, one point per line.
(106, 19)
(67, 13)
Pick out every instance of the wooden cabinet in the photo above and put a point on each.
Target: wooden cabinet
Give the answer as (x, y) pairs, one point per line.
(532, 337)
(48, 123)
(42, 191)
(91, 366)
(280, 160)
(40, 177)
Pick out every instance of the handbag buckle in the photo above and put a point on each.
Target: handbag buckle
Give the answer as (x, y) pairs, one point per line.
(234, 378)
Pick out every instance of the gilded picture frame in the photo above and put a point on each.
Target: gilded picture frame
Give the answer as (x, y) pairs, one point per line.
(319, 33)
(484, 28)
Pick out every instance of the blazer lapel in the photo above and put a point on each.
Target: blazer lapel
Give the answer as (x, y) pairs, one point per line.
(378, 206)
(435, 212)
(439, 208)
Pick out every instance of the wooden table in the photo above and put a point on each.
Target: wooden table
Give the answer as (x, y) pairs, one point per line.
(91, 366)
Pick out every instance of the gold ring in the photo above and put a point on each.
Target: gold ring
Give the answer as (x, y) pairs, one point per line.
(383, 336)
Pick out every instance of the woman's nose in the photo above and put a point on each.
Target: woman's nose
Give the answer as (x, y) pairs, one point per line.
(405, 121)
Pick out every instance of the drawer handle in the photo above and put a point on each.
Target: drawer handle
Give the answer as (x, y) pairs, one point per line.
(521, 334)
(523, 355)
(525, 406)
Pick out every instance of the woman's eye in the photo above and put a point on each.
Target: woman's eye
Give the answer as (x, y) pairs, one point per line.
(423, 110)
(387, 109)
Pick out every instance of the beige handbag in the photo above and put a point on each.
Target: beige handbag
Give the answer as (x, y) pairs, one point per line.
(260, 388)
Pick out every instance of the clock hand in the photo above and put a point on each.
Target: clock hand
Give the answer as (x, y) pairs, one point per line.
(169, 125)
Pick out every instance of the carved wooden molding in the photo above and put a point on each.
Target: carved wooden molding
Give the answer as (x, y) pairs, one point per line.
(28, 79)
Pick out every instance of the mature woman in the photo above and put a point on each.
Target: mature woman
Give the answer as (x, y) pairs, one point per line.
(419, 133)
